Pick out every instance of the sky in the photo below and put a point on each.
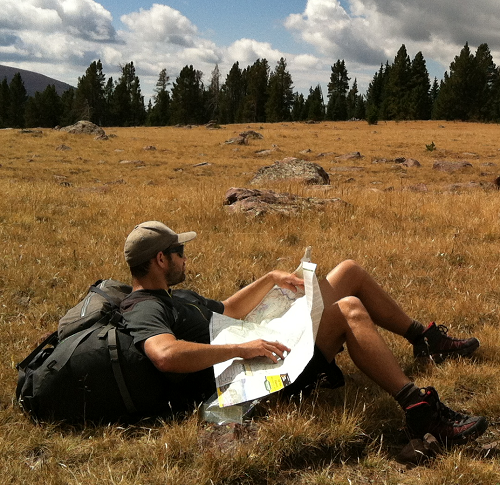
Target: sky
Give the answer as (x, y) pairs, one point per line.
(61, 38)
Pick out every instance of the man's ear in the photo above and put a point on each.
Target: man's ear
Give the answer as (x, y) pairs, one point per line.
(161, 260)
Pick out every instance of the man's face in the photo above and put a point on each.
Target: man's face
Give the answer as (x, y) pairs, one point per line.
(175, 271)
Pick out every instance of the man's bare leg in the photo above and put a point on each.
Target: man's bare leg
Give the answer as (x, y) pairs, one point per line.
(347, 321)
(350, 279)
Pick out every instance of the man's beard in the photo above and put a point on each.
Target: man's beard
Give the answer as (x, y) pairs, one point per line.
(175, 276)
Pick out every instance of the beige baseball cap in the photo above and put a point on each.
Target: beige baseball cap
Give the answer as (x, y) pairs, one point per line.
(149, 238)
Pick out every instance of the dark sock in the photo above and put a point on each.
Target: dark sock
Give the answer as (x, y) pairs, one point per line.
(415, 330)
(408, 395)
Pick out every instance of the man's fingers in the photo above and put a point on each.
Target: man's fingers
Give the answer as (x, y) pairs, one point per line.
(264, 348)
(275, 350)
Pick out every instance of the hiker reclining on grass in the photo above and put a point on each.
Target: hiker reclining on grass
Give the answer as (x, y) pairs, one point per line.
(174, 333)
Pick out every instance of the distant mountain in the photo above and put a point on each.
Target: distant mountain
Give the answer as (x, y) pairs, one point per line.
(33, 81)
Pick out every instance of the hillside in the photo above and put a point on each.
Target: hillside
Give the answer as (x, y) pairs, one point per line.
(33, 81)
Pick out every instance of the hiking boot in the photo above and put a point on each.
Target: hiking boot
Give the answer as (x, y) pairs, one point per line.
(436, 344)
(430, 415)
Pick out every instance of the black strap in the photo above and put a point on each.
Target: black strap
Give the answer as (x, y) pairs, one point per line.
(98, 290)
(114, 316)
(117, 370)
(50, 340)
(57, 365)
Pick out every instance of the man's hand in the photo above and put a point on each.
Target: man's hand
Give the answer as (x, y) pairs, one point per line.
(246, 299)
(263, 348)
(288, 281)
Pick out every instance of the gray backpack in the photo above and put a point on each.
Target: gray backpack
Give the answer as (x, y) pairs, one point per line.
(101, 304)
(90, 369)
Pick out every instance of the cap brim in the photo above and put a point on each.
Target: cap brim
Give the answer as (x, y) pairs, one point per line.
(184, 237)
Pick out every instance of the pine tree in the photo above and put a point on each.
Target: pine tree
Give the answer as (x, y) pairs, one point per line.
(458, 93)
(494, 105)
(420, 101)
(68, 116)
(280, 100)
(187, 97)
(255, 80)
(214, 95)
(18, 99)
(44, 109)
(127, 101)
(89, 97)
(314, 106)
(159, 113)
(337, 92)
(486, 76)
(4, 104)
(376, 100)
(352, 101)
(398, 90)
(298, 113)
(232, 95)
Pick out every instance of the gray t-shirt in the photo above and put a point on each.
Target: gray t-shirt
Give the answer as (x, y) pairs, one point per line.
(182, 313)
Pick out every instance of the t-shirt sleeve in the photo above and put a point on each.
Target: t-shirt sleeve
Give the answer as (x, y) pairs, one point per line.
(195, 298)
(148, 319)
(215, 305)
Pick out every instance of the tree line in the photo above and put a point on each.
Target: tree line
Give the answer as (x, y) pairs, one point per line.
(402, 90)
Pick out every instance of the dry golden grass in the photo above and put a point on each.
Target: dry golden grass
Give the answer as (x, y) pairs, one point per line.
(64, 215)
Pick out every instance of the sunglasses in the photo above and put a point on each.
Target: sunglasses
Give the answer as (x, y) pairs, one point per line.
(176, 249)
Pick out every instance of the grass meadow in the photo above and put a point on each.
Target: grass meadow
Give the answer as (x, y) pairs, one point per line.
(68, 202)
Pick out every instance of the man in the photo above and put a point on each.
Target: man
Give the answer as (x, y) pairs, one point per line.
(173, 331)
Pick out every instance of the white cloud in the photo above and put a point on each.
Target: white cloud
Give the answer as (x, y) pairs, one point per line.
(306, 62)
(247, 51)
(65, 36)
(369, 32)
(161, 24)
(327, 26)
(84, 19)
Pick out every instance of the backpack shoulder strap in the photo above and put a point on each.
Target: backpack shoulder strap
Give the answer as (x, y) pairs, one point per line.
(169, 303)
(98, 290)
(68, 352)
(114, 356)
(50, 340)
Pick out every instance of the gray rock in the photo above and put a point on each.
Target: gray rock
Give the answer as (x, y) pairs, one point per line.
(411, 162)
(259, 202)
(292, 169)
(447, 166)
(348, 156)
(84, 127)
(251, 134)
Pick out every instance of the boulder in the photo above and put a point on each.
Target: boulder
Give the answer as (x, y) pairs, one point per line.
(252, 135)
(471, 185)
(265, 152)
(447, 166)
(348, 156)
(292, 169)
(212, 125)
(137, 163)
(347, 169)
(411, 162)
(84, 127)
(237, 140)
(421, 187)
(259, 202)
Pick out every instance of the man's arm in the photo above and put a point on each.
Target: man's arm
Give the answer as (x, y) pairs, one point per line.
(246, 299)
(171, 355)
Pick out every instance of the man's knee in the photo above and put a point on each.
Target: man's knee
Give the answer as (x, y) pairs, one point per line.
(353, 309)
(348, 266)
